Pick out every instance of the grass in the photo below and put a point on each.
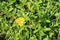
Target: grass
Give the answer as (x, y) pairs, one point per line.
(42, 19)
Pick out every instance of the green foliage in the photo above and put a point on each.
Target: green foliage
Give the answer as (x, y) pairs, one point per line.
(42, 19)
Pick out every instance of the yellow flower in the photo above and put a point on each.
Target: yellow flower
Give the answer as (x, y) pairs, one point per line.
(20, 21)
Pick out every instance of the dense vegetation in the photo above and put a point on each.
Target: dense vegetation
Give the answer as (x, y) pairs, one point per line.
(42, 19)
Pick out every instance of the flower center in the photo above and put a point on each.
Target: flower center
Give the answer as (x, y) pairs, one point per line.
(21, 21)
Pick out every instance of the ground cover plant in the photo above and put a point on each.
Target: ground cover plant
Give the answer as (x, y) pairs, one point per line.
(40, 19)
